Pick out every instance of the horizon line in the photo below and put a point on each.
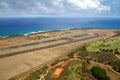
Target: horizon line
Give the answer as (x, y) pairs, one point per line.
(57, 16)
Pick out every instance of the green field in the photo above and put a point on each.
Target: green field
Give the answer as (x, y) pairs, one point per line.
(109, 44)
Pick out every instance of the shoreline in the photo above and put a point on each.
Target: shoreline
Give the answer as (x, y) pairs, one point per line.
(47, 31)
(37, 32)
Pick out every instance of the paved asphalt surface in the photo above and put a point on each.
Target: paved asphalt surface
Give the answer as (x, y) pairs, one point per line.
(45, 47)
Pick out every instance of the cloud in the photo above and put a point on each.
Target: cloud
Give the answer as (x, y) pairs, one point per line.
(58, 3)
(59, 7)
(40, 8)
(88, 4)
(3, 4)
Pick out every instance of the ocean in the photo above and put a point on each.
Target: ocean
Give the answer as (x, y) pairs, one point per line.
(21, 26)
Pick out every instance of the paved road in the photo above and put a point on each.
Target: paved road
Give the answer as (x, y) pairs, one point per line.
(45, 47)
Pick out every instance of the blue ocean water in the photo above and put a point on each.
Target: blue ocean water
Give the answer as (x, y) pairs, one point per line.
(20, 26)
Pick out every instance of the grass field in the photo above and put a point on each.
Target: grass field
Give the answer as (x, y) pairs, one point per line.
(109, 44)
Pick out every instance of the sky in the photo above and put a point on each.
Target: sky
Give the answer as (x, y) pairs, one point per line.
(75, 8)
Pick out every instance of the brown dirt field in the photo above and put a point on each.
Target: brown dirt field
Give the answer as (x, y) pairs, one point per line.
(110, 72)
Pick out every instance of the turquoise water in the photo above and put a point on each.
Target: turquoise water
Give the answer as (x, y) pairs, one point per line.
(20, 26)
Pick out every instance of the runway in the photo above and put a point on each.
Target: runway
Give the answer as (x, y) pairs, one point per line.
(70, 40)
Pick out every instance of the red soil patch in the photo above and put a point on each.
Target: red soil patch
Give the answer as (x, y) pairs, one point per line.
(57, 73)
(5, 45)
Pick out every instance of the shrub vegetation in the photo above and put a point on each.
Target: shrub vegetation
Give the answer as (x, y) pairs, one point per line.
(115, 65)
(36, 75)
(99, 73)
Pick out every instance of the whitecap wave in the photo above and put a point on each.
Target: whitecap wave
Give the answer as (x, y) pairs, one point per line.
(45, 31)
